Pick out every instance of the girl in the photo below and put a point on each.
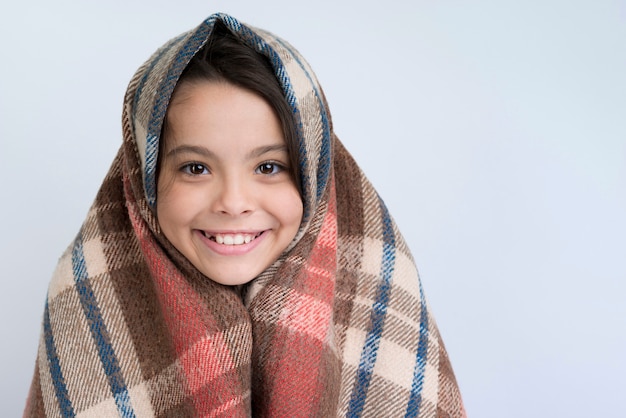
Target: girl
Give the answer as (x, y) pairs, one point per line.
(236, 261)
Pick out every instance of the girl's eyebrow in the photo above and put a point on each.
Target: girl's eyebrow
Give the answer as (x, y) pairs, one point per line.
(205, 152)
(189, 149)
(259, 151)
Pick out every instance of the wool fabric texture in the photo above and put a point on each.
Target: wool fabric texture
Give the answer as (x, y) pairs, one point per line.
(337, 326)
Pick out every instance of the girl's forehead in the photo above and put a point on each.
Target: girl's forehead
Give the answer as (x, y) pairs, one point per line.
(222, 119)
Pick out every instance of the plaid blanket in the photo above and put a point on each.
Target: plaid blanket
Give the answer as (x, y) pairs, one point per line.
(337, 326)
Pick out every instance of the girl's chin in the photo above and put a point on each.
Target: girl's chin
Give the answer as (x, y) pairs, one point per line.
(232, 278)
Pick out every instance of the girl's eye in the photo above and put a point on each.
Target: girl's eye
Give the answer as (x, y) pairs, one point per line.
(269, 168)
(194, 169)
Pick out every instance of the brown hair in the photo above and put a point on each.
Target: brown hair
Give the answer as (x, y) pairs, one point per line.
(225, 58)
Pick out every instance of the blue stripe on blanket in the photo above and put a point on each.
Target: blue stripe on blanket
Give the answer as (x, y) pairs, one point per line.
(65, 405)
(163, 95)
(415, 401)
(325, 149)
(324, 159)
(379, 311)
(99, 332)
(152, 153)
(151, 141)
(290, 96)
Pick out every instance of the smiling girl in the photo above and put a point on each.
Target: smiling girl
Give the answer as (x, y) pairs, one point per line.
(226, 198)
(236, 261)
(227, 186)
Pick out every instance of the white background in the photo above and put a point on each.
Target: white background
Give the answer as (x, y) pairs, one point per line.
(494, 130)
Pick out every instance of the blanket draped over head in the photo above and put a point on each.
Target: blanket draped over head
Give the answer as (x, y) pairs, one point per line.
(337, 326)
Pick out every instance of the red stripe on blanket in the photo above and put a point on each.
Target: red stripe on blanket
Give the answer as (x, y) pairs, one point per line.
(306, 315)
(304, 327)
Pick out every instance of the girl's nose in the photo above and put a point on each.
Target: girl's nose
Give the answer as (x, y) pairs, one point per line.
(233, 197)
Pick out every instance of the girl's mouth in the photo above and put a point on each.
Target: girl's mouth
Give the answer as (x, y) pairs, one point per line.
(232, 239)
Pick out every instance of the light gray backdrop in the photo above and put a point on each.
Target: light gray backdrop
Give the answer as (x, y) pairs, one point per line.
(494, 130)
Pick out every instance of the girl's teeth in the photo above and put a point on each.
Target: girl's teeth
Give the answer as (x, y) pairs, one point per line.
(236, 239)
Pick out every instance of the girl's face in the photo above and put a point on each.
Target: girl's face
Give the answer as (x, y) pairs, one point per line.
(225, 198)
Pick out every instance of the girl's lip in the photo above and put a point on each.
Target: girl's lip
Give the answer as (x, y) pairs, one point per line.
(226, 238)
(230, 232)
